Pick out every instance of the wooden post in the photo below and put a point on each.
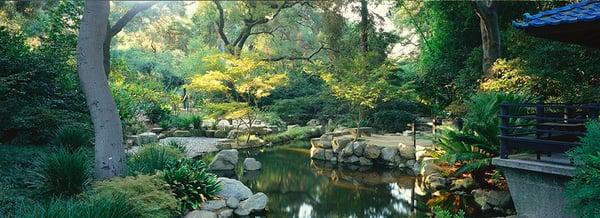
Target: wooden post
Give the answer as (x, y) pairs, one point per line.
(504, 122)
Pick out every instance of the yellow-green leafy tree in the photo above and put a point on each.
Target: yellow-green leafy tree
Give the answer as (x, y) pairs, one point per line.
(353, 81)
(240, 82)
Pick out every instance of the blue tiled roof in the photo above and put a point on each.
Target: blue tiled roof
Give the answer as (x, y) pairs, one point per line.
(578, 12)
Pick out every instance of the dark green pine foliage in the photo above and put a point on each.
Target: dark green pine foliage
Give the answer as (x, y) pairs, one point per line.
(583, 192)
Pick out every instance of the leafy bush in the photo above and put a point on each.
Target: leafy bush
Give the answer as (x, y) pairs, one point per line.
(99, 206)
(191, 182)
(183, 121)
(148, 194)
(64, 172)
(74, 136)
(475, 145)
(392, 120)
(153, 157)
(441, 213)
(583, 191)
(297, 133)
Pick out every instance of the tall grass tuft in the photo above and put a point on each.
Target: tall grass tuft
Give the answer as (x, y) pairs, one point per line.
(153, 157)
(97, 206)
(64, 172)
(73, 136)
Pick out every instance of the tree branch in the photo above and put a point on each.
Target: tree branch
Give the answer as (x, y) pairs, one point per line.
(136, 9)
(221, 23)
(308, 58)
(266, 32)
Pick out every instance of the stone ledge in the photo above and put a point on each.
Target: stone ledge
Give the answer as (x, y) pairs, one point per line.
(556, 165)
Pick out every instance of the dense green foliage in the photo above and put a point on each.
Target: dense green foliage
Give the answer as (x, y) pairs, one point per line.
(153, 157)
(101, 206)
(297, 133)
(73, 137)
(583, 192)
(191, 182)
(64, 172)
(149, 195)
(477, 143)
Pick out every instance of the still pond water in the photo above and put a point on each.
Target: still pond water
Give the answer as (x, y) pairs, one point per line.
(299, 187)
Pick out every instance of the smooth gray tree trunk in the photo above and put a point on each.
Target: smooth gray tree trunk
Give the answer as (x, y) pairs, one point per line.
(109, 151)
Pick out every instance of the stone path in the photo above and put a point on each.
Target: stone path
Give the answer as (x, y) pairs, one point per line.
(394, 140)
(196, 145)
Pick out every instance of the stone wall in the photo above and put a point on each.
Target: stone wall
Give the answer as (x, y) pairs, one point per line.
(340, 148)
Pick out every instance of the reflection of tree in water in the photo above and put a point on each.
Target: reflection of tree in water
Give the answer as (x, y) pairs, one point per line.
(293, 186)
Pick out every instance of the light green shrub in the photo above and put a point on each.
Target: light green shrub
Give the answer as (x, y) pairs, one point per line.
(292, 134)
(149, 194)
(153, 157)
(191, 182)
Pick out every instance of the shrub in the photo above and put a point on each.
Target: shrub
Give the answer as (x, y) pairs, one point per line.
(74, 136)
(297, 133)
(64, 172)
(392, 120)
(183, 121)
(149, 194)
(98, 206)
(474, 146)
(583, 191)
(191, 182)
(153, 157)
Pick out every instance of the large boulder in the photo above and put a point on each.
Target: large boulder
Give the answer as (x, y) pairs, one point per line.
(316, 142)
(347, 151)
(226, 213)
(224, 160)
(372, 151)
(251, 164)
(436, 182)
(359, 147)
(233, 189)
(255, 203)
(146, 138)
(407, 151)
(388, 153)
(365, 161)
(329, 155)
(352, 159)
(213, 205)
(501, 199)
(317, 153)
(340, 143)
(233, 202)
(201, 214)
(326, 141)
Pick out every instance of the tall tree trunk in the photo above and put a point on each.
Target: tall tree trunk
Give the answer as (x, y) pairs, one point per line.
(490, 33)
(364, 23)
(109, 152)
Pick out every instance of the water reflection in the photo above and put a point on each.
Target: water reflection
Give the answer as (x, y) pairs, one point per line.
(299, 187)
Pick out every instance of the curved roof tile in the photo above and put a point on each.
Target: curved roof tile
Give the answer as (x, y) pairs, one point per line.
(578, 12)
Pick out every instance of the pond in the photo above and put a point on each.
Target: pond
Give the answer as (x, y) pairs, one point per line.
(300, 187)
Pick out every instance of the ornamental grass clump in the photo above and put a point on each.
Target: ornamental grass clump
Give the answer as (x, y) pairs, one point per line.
(191, 182)
(97, 206)
(64, 172)
(153, 157)
(73, 136)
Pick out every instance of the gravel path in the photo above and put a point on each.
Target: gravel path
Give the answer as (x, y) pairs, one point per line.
(196, 145)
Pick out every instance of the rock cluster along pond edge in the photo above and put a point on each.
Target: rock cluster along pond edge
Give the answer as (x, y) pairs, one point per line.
(339, 147)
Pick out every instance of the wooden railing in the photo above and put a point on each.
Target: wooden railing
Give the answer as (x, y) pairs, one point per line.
(543, 128)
